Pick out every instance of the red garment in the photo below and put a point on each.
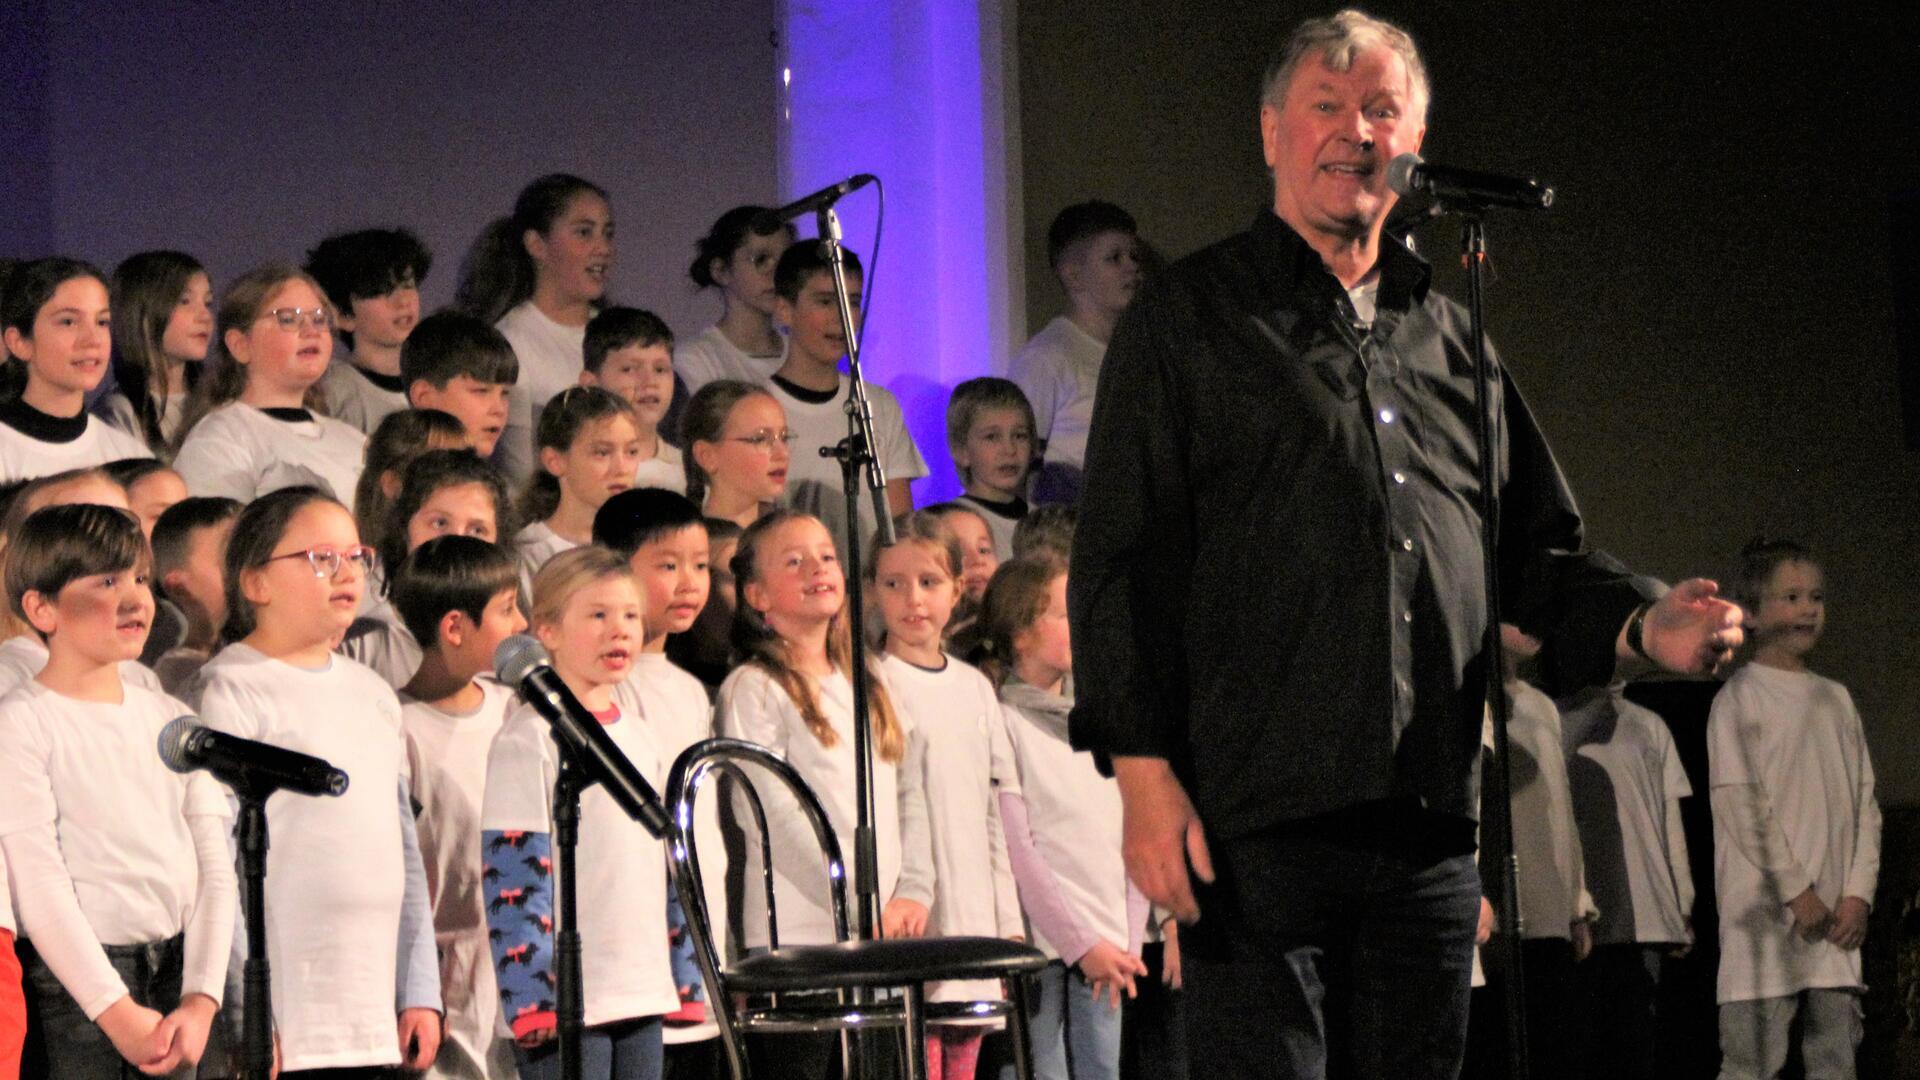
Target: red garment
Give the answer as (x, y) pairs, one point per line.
(13, 1010)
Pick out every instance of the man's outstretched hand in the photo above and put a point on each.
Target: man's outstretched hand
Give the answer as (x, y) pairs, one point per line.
(1691, 630)
(1161, 835)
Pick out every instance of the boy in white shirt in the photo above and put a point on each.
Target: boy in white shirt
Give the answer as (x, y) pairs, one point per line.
(120, 867)
(373, 279)
(461, 597)
(990, 436)
(1093, 247)
(630, 352)
(813, 393)
(1796, 831)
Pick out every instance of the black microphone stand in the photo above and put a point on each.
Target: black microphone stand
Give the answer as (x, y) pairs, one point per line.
(1496, 801)
(256, 996)
(858, 460)
(570, 1006)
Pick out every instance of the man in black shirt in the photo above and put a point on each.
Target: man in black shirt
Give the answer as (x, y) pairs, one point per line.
(1278, 601)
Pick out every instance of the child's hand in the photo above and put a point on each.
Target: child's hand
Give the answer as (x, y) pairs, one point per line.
(903, 918)
(181, 1037)
(1170, 954)
(1811, 916)
(538, 1037)
(133, 1029)
(1849, 923)
(1580, 933)
(1107, 966)
(1483, 932)
(419, 1038)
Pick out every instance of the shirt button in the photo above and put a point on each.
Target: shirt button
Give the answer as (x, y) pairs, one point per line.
(1386, 416)
(1406, 545)
(1399, 477)
(1406, 616)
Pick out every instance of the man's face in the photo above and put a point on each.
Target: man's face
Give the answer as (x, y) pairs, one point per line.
(1329, 144)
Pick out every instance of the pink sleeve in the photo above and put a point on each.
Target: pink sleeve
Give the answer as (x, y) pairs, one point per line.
(1047, 908)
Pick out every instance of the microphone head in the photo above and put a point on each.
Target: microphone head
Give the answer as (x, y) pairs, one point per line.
(175, 740)
(516, 658)
(1400, 173)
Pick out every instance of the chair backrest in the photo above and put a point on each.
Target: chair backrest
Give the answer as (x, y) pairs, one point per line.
(688, 780)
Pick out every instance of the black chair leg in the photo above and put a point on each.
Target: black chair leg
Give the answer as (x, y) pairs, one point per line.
(915, 1008)
(1017, 1031)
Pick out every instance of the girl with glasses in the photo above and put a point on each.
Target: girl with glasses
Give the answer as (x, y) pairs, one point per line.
(738, 451)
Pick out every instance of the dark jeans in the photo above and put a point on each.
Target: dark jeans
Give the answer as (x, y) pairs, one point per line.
(1552, 1022)
(623, 1050)
(62, 1044)
(1153, 1045)
(1619, 996)
(1333, 951)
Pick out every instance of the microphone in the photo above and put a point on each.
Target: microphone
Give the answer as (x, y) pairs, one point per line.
(522, 663)
(819, 200)
(1408, 174)
(255, 768)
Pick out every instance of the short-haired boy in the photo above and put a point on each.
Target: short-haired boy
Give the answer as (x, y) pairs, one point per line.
(119, 866)
(630, 352)
(813, 393)
(189, 560)
(460, 598)
(1093, 248)
(373, 278)
(457, 364)
(664, 540)
(990, 437)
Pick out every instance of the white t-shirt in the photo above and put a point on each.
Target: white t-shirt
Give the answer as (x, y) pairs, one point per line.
(1074, 814)
(956, 711)
(117, 409)
(336, 874)
(240, 452)
(536, 544)
(713, 356)
(1553, 889)
(25, 457)
(1627, 781)
(447, 755)
(752, 706)
(622, 877)
(380, 640)
(1059, 369)
(551, 358)
(130, 852)
(1797, 738)
(23, 655)
(813, 482)
(665, 469)
(353, 397)
(675, 705)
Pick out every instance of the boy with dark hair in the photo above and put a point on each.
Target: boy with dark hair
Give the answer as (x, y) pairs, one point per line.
(189, 556)
(373, 279)
(1093, 248)
(630, 353)
(459, 595)
(457, 364)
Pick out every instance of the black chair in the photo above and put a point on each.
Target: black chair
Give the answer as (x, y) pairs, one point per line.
(854, 970)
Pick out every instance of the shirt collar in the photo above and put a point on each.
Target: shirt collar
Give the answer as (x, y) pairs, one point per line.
(1292, 268)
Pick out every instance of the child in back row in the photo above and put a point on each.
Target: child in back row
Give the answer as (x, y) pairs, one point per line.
(56, 319)
(366, 992)
(630, 352)
(253, 425)
(189, 553)
(1796, 833)
(373, 279)
(1063, 830)
(916, 583)
(120, 866)
(162, 328)
(460, 597)
(589, 448)
(738, 256)
(587, 613)
(990, 436)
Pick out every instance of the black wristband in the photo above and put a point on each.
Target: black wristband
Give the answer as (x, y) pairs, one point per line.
(1636, 631)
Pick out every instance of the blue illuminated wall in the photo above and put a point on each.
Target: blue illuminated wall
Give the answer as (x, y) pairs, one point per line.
(917, 92)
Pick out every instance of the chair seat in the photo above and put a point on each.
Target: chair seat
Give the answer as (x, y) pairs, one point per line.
(897, 962)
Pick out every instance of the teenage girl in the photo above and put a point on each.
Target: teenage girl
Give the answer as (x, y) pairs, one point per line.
(587, 613)
(538, 275)
(162, 328)
(589, 449)
(255, 422)
(915, 584)
(356, 982)
(737, 256)
(56, 320)
(738, 451)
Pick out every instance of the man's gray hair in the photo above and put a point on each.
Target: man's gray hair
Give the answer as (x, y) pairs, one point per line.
(1337, 40)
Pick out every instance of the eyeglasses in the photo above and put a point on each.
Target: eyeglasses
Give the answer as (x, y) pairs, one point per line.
(326, 560)
(764, 439)
(291, 318)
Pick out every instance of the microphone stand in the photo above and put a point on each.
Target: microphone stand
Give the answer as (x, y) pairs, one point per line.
(1496, 801)
(570, 1006)
(858, 459)
(256, 997)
